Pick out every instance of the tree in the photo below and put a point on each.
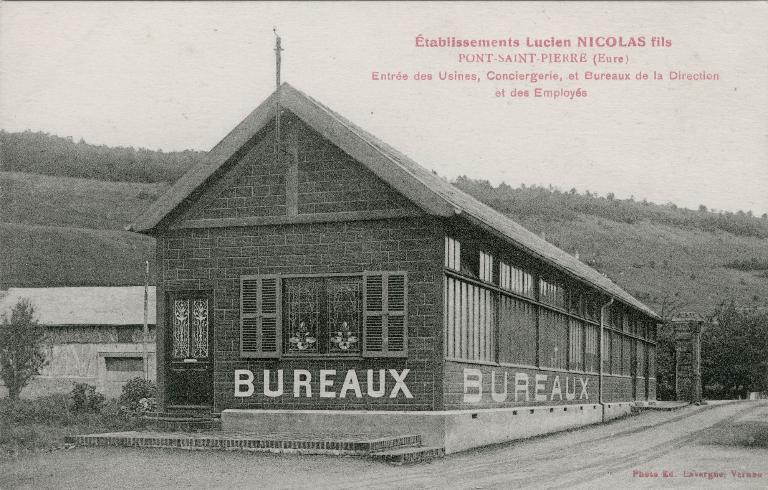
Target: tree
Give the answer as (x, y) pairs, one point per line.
(21, 347)
(733, 360)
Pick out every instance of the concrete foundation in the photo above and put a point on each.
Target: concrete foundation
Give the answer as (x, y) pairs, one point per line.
(454, 430)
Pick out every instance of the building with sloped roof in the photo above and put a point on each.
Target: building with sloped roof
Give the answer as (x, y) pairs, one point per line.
(325, 273)
(94, 335)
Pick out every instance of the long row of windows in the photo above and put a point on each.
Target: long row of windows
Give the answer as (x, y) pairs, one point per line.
(484, 323)
(479, 264)
(623, 355)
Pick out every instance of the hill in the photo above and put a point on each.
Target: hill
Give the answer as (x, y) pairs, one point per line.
(43, 153)
(66, 201)
(62, 230)
(43, 256)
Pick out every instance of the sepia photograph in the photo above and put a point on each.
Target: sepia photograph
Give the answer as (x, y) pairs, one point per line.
(383, 245)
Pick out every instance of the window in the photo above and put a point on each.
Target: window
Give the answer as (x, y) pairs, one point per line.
(189, 329)
(576, 345)
(517, 331)
(626, 356)
(452, 254)
(551, 293)
(486, 267)
(615, 353)
(607, 351)
(651, 360)
(576, 303)
(324, 315)
(124, 364)
(592, 310)
(639, 358)
(592, 334)
(469, 321)
(516, 280)
(553, 339)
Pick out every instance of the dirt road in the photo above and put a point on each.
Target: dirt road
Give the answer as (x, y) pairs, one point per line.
(722, 445)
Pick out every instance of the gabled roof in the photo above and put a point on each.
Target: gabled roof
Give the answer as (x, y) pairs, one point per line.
(85, 305)
(427, 190)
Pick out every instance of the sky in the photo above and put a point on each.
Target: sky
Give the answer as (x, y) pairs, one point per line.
(182, 75)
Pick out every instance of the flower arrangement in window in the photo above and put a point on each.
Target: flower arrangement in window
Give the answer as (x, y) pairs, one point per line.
(343, 338)
(302, 339)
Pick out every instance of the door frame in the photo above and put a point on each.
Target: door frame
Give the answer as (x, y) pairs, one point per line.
(171, 364)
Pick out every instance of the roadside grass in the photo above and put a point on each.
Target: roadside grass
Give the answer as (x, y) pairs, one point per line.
(43, 423)
(749, 433)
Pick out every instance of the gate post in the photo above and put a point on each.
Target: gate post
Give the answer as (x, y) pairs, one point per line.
(687, 335)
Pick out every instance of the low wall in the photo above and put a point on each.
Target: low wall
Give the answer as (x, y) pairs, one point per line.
(454, 430)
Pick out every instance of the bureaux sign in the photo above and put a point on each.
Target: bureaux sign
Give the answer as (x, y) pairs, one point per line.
(516, 386)
(324, 383)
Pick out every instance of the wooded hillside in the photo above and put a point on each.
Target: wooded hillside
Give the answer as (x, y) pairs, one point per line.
(63, 214)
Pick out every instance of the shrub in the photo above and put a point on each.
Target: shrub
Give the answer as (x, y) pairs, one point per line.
(138, 395)
(85, 398)
(21, 347)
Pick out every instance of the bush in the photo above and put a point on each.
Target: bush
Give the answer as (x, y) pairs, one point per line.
(51, 409)
(85, 398)
(138, 395)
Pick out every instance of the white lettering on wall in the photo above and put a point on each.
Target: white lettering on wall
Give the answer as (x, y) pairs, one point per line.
(498, 397)
(350, 383)
(570, 395)
(521, 385)
(540, 380)
(473, 379)
(534, 387)
(556, 390)
(583, 394)
(326, 383)
(302, 384)
(243, 379)
(268, 390)
(382, 387)
(400, 383)
(302, 377)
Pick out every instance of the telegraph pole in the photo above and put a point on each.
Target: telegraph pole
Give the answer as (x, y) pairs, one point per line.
(146, 314)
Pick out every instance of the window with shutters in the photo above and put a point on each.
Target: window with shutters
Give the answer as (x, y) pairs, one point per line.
(385, 315)
(335, 315)
(260, 316)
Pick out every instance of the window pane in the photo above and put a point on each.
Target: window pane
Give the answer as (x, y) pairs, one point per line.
(553, 339)
(576, 349)
(303, 305)
(344, 313)
(591, 353)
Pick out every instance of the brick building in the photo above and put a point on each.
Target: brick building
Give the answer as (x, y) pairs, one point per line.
(331, 272)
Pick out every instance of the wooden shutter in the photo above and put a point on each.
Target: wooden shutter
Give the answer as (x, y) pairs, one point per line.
(385, 318)
(260, 316)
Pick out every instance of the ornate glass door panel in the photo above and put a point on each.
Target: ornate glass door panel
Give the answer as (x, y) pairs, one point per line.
(190, 362)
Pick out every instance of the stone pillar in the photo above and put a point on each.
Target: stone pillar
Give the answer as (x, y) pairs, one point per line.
(687, 332)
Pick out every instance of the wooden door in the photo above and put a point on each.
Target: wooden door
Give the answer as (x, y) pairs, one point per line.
(190, 349)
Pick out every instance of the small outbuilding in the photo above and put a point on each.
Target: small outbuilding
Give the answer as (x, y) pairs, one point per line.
(94, 335)
(324, 279)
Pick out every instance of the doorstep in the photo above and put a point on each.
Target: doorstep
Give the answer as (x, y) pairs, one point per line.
(380, 447)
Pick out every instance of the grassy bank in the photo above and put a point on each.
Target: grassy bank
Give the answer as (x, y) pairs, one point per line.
(42, 423)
